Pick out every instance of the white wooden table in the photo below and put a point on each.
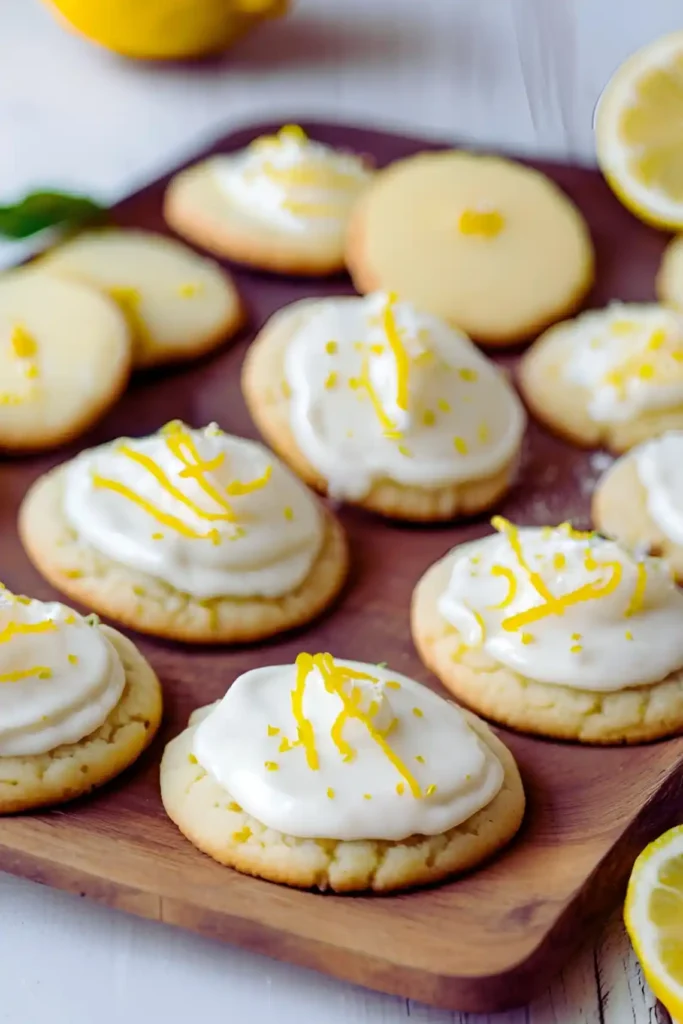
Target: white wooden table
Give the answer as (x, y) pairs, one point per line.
(521, 74)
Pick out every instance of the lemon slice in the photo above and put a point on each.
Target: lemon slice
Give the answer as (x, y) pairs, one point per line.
(654, 917)
(639, 132)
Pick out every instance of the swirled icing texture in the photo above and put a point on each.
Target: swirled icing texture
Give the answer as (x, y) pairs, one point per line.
(292, 183)
(659, 464)
(628, 357)
(567, 609)
(380, 390)
(379, 757)
(209, 514)
(60, 677)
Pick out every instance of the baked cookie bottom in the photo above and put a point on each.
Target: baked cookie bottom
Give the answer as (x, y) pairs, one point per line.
(267, 397)
(637, 715)
(562, 406)
(72, 770)
(620, 510)
(149, 605)
(206, 815)
(197, 209)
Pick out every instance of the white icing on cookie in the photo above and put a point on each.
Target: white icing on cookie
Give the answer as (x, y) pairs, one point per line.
(628, 357)
(59, 677)
(345, 750)
(292, 183)
(382, 391)
(210, 514)
(660, 469)
(566, 608)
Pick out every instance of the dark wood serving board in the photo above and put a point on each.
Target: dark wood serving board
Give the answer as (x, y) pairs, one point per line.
(485, 942)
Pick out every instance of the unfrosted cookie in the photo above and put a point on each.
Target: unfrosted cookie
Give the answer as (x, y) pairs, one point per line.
(378, 404)
(639, 501)
(490, 245)
(79, 704)
(282, 204)
(179, 305)
(359, 803)
(612, 377)
(193, 535)
(65, 358)
(670, 274)
(558, 633)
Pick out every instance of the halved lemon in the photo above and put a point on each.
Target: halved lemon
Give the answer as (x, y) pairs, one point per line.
(639, 132)
(654, 917)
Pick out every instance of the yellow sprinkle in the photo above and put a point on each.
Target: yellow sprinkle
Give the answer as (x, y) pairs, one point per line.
(288, 513)
(273, 730)
(467, 374)
(31, 372)
(392, 684)
(646, 371)
(285, 745)
(576, 649)
(331, 380)
(242, 835)
(232, 806)
(460, 445)
(69, 620)
(628, 634)
(45, 674)
(428, 418)
(331, 347)
(24, 345)
(157, 536)
(367, 796)
(354, 383)
(483, 433)
(477, 222)
(400, 788)
(418, 713)
(377, 350)
(622, 326)
(73, 659)
(559, 560)
(330, 793)
(657, 339)
(272, 766)
(443, 405)
(527, 638)
(419, 758)
(139, 591)
(576, 636)
(405, 451)
(431, 788)
(192, 759)
(189, 290)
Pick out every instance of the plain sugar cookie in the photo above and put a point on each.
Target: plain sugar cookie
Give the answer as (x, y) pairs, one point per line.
(610, 378)
(639, 501)
(555, 632)
(380, 405)
(358, 803)
(490, 245)
(79, 704)
(281, 204)
(179, 305)
(65, 358)
(193, 535)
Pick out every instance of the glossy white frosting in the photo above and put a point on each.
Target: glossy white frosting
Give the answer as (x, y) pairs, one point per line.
(660, 468)
(60, 677)
(573, 610)
(386, 759)
(382, 391)
(292, 183)
(628, 357)
(210, 514)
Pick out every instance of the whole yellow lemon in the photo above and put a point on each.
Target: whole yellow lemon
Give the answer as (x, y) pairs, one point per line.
(165, 29)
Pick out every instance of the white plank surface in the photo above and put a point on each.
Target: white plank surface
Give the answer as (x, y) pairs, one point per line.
(518, 74)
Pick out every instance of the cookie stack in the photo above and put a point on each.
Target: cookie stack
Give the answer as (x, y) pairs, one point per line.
(328, 772)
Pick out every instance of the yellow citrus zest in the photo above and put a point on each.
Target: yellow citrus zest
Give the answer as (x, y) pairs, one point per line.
(487, 223)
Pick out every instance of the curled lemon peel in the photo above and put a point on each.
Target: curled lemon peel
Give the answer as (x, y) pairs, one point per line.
(398, 351)
(507, 574)
(42, 671)
(638, 596)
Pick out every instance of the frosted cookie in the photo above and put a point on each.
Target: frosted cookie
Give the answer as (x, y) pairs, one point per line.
(281, 204)
(378, 404)
(490, 245)
(78, 703)
(639, 501)
(611, 377)
(179, 305)
(65, 358)
(331, 774)
(189, 534)
(556, 632)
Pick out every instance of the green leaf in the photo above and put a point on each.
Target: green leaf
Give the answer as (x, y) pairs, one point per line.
(41, 210)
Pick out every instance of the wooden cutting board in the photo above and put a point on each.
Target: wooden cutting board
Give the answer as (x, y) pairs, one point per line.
(485, 942)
